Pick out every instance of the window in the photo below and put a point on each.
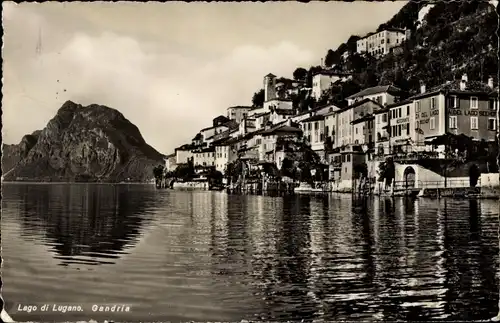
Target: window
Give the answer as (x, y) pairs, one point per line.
(407, 129)
(473, 102)
(408, 110)
(493, 104)
(316, 126)
(244, 115)
(348, 158)
(417, 107)
(308, 126)
(492, 124)
(400, 112)
(384, 117)
(453, 122)
(356, 130)
(473, 123)
(432, 123)
(454, 102)
(322, 137)
(433, 103)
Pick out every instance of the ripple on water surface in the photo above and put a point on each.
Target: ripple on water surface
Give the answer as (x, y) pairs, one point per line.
(192, 255)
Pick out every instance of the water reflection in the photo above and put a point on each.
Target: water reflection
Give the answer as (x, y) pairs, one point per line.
(218, 257)
(84, 224)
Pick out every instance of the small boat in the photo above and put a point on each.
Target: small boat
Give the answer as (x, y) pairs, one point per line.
(303, 188)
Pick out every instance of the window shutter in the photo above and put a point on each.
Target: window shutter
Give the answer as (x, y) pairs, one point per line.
(492, 103)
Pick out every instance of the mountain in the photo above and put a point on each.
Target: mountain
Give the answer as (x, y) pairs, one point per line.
(456, 37)
(92, 143)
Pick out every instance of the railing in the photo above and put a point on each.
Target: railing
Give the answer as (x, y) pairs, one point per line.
(448, 183)
(407, 156)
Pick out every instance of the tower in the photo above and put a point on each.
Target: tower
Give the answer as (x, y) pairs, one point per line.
(269, 87)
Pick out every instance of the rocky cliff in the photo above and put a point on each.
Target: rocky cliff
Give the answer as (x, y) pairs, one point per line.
(92, 143)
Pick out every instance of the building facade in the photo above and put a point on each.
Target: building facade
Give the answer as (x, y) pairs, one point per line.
(323, 80)
(383, 95)
(238, 113)
(381, 43)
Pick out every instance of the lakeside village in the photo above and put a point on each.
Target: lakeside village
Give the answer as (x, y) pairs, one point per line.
(439, 142)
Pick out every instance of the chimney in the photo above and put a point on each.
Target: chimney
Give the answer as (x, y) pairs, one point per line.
(289, 122)
(463, 82)
(322, 63)
(490, 82)
(422, 87)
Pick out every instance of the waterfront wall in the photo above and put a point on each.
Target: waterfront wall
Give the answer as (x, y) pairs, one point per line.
(490, 180)
(191, 185)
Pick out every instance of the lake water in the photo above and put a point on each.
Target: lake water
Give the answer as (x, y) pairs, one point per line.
(209, 256)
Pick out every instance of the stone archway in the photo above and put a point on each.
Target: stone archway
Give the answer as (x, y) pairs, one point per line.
(409, 177)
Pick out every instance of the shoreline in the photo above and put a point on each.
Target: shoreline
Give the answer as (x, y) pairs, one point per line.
(80, 183)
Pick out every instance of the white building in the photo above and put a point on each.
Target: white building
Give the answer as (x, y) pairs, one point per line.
(238, 113)
(225, 152)
(382, 42)
(422, 13)
(209, 132)
(324, 79)
(401, 125)
(279, 115)
(170, 162)
(183, 154)
(204, 157)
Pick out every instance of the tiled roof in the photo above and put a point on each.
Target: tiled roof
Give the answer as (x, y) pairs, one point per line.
(239, 107)
(206, 150)
(261, 114)
(391, 89)
(314, 118)
(363, 118)
(357, 104)
(454, 86)
(384, 109)
(270, 75)
(279, 99)
(211, 127)
(397, 104)
(284, 111)
(281, 128)
(332, 72)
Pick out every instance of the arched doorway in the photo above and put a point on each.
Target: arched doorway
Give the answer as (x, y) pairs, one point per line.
(474, 175)
(409, 177)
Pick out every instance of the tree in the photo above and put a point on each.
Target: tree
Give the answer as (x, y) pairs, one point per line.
(158, 172)
(258, 98)
(332, 57)
(387, 171)
(300, 74)
(214, 177)
(310, 74)
(185, 171)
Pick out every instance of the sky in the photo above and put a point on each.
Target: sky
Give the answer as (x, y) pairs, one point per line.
(170, 68)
